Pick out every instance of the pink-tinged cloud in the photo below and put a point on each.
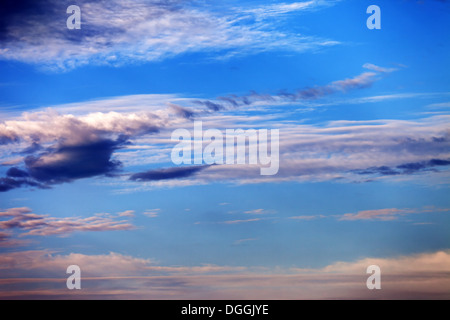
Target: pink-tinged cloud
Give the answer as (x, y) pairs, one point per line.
(241, 221)
(31, 224)
(259, 211)
(7, 240)
(307, 218)
(127, 213)
(41, 275)
(152, 213)
(380, 214)
(388, 214)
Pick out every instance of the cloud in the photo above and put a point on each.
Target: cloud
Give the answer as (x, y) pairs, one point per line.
(48, 125)
(381, 214)
(7, 184)
(65, 163)
(373, 67)
(259, 211)
(361, 81)
(407, 168)
(339, 149)
(240, 221)
(68, 163)
(76, 147)
(120, 32)
(16, 173)
(241, 241)
(31, 224)
(80, 145)
(256, 211)
(364, 80)
(167, 173)
(7, 240)
(439, 105)
(275, 10)
(152, 213)
(181, 111)
(307, 218)
(387, 214)
(41, 275)
(127, 213)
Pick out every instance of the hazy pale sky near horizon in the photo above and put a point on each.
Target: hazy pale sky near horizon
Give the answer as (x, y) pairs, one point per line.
(86, 176)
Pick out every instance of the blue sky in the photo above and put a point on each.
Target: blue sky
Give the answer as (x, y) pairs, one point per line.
(364, 147)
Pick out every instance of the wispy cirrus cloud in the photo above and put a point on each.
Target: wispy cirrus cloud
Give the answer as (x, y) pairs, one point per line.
(361, 81)
(119, 32)
(277, 9)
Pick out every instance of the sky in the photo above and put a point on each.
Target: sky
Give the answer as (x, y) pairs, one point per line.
(87, 118)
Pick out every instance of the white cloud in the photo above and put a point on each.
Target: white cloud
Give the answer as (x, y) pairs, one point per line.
(376, 68)
(118, 32)
(241, 221)
(152, 213)
(439, 105)
(277, 9)
(127, 213)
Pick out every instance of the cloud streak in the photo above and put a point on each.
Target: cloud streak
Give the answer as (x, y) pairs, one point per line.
(30, 224)
(388, 214)
(167, 173)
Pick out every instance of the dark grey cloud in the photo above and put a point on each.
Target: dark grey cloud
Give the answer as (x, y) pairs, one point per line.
(65, 163)
(7, 183)
(420, 166)
(213, 106)
(6, 139)
(68, 163)
(407, 168)
(12, 12)
(16, 173)
(182, 111)
(167, 173)
(33, 148)
(382, 170)
(361, 81)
